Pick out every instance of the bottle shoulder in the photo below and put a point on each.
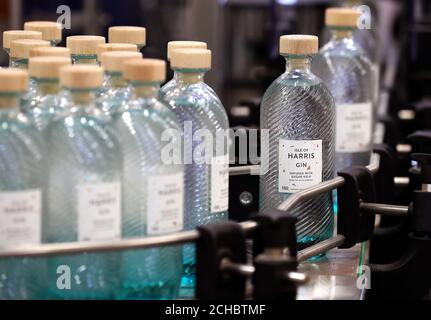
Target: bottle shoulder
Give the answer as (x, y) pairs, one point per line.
(296, 81)
(343, 50)
(293, 91)
(148, 112)
(199, 97)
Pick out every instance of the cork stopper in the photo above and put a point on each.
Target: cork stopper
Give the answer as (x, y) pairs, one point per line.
(20, 49)
(81, 77)
(191, 59)
(175, 45)
(299, 44)
(134, 35)
(114, 61)
(50, 52)
(13, 80)
(341, 17)
(108, 47)
(145, 70)
(11, 35)
(84, 45)
(47, 67)
(51, 31)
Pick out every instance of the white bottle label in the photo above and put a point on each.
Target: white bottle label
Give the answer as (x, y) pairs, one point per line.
(300, 165)
(165, 204)
(99, 211)
(220, 184)
(354, 127)
(20, 218)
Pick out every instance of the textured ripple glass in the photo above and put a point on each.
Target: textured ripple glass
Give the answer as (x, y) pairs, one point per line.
(21, 170)
(349, 74)
(82, 152)
(150, 273)
(196, 107)
(23, 64)
(298, 107)
(45, 103)
(115, 93)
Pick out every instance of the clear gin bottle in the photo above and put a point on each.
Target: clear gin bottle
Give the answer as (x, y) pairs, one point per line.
(298, 110)
(200, 111)
(153, 186)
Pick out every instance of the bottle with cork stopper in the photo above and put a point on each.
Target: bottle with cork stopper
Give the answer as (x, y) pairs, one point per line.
(298, 138)
(115, 92)
(47, 100)
(84, 48)
(51, 31)
(19, 56)
(84, 187)
(20, 51)
(197, 108)
(22, 177)
(108, 47)
(350, 75)
(50, 52)
(11, 35)
(128, 34)
(149, 273)
(172, 46)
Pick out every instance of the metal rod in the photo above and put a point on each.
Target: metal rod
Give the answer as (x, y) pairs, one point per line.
(402, 181)
(385, 209)
(120, 245)
(321, 247)
(243, 170)
(297, 277)
(295, 198)
(374, 165)
(242, 269)
(404, 148)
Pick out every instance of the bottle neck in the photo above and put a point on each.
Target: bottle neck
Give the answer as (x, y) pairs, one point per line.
(298, 63)
(54, 43)
(115, 80)
(188, 77)
(342, 33)
(47, 86)
(18, 63)
(145, 90)
(82, 96)
(85, 59)
(10, 101)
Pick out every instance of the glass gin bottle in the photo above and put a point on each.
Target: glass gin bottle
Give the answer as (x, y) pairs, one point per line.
(84, 48)
(153, 185)
(47, 100)
(299, 114)
(204, 123)
(84, 189)
(11, 35)
(19, 56)
(128, 34)
(348, 72)
(21, 191)
(109, 47)
(51, 31)
(172, 46)
(115, 93)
